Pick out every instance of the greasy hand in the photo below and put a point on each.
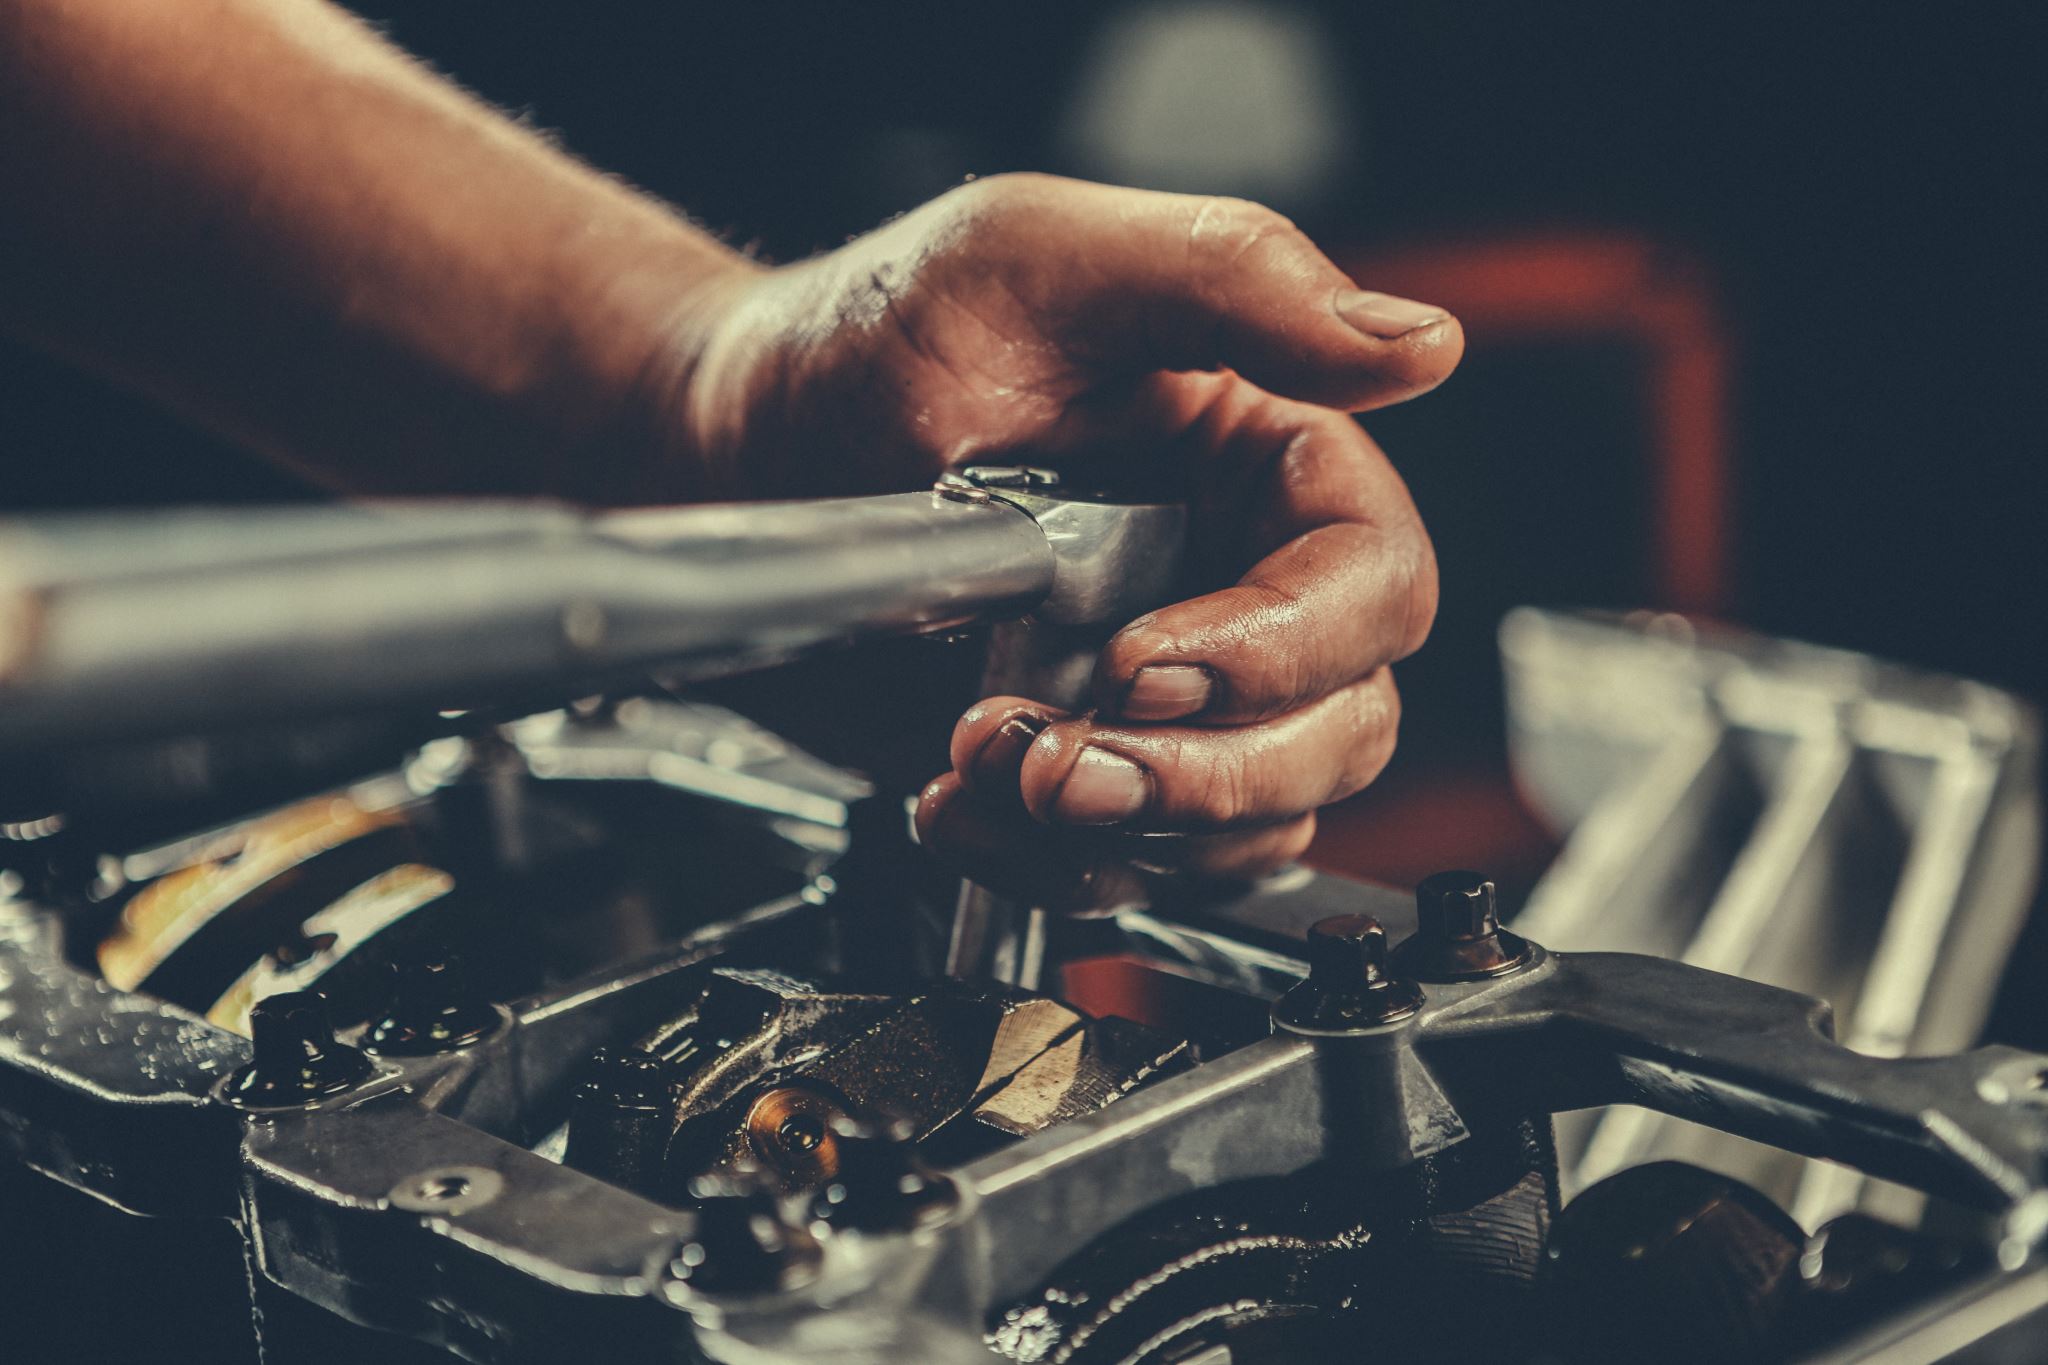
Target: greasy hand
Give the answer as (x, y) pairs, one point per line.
(1032, 318)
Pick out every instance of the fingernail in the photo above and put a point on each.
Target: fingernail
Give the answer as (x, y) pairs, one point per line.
(1384, 315)
(1103, 789)
(1002, 752)
(1167, 692)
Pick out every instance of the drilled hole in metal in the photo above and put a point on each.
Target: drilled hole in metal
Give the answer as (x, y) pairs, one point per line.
(441, 1189)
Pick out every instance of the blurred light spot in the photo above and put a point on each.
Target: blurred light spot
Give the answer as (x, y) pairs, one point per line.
(1213, 96)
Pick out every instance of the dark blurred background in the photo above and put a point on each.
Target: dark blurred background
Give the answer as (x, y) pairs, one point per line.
(1754, 292)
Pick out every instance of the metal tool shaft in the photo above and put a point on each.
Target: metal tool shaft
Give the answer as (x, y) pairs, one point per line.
(1117, 560)
(144, 625)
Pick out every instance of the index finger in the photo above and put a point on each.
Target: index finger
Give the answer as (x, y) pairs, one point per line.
(1348, 586)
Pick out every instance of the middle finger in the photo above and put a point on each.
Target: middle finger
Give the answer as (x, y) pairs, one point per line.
(1089, 770)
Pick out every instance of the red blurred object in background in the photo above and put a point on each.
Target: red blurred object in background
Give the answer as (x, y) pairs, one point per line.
(1659, 303)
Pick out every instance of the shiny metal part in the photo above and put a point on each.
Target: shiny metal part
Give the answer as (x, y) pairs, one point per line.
(1996, 1320)
(1348, 986)
(297, 1058)
(419, 1192)
(693, 747)
(145, 627)
(1115, 561)
(1028, 477)
(1563, 1033)
(448, 1191)
(997, 938)
(959, 488)
(1796, 815)
(167, 623)
(433, 1008)
(557, 1255)
(1457, 932)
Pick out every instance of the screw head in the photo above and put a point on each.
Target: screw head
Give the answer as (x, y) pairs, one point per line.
(1349, 985)
(1457, 932)
(790, 1129)
(1459, 906)
(297, 1057)
(432, 1009)
(1346, 952)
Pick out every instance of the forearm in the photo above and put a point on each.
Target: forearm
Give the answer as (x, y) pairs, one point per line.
(261, 213)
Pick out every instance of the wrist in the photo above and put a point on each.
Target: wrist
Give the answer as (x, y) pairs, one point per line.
(649, 314)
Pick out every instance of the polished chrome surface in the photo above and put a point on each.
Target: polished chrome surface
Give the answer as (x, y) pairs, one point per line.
(142, 625)
(1114, 561)
(1802, 816)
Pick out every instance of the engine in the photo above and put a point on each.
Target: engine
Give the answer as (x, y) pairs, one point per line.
(625, 1027)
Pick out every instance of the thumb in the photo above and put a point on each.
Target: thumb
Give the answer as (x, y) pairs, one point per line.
(1131, 280)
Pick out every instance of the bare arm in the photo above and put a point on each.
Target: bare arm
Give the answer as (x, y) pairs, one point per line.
(264, 215)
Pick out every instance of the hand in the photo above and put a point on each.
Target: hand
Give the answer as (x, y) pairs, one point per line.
(1027, 317)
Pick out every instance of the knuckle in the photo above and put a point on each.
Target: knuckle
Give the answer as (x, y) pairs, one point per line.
(1019, 182)
(1269, 678)
(1278, 650)
(1384, 709)
(1376, 729)
(1141, 642)
(1382, 749)
(1268, 604)
(1289, 655)
(1228, 790)
(1227, 228)
(995, 199)
(1419, 597)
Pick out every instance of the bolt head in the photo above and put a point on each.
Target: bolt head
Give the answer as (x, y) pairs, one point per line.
(296, 1057)
(289, 1027)
(1348, 985)
(1346, 952)
(1457, 933)
(1457, 906)
(432, 1010)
